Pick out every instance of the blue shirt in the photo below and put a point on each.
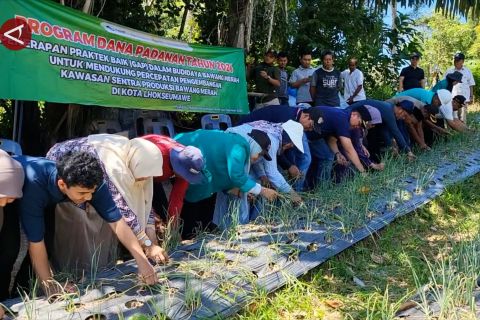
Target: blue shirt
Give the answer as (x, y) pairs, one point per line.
(442, 84)
(336, 122)
(40, 190)
(420, 94)
(275, 114)
(389, 121)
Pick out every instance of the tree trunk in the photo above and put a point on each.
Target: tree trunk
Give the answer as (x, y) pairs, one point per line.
(184, 18)
(270, 27)
(87, 6)
(240, 25)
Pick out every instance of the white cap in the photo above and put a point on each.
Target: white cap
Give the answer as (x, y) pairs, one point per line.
(445, 96)
(295, 131)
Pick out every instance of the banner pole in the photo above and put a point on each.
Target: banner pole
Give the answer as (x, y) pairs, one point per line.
(15, 116)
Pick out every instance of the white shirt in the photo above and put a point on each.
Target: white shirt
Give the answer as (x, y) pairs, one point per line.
(464, 87)
(351, 81)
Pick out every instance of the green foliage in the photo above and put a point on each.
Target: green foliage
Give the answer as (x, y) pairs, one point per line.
(443, 37)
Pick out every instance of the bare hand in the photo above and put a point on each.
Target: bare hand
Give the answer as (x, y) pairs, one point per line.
(234, 192)
(411, 156)
(294, 172)
(264, 74)
(2, 313)
(425, 147)
(269, 194)
(53, 288)
(147, 273)
(378, 166)
(296, 197)
(341, 159)
(264, 182)
(365, 150)
(306, 80)
(157, 254)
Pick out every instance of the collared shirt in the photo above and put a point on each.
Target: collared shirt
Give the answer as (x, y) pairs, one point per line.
(303, 92)
(334, 122)
(41, 190)
(351, 82)
(262, 85)
(412, 77)
(464, 87)
(282, 91)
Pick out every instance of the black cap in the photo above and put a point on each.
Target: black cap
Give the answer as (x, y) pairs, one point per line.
(455, 76)
(459, 56)
(263, 141)
(363, 113)
(414, 55)
(317, 117)
(271, 51)
(460, 99)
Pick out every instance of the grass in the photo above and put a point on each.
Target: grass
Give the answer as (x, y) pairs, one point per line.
(369, 281)
(418, 249)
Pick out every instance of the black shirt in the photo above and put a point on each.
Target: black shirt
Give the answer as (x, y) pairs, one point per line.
(412, 77)
(263, 85)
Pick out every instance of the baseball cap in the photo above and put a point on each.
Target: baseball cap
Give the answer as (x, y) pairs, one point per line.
(374, 115)
(460, 99)
(188, 162)
(317, 117)
(11, 176)
(363, 113)
(414, 55)
(459, 56)
(406, 105)
(271, 51)
(295, 132)
(455, 76)
(263, 141)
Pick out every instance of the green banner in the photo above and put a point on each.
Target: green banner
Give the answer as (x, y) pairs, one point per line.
(76, 58)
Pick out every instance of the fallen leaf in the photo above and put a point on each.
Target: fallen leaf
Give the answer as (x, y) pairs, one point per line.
(377, 258)
(359, 282)
(334, 304)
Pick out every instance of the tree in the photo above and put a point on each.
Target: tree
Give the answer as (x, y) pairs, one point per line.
(466, 8)
(442, 41)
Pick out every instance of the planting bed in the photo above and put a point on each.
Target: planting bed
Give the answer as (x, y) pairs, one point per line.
(217, 275)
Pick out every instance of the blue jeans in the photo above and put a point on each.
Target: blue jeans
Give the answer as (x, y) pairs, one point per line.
(302, 161)
(320, 151)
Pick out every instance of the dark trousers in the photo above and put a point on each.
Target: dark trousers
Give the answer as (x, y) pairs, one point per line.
(429, 136)
(283, 101)
(376, 143)
(197, 216)
(9, 250)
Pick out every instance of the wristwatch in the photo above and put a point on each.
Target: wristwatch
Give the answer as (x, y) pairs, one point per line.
(147, 243)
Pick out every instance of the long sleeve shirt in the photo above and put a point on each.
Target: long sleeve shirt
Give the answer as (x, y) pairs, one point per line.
(180, 185)
(81, 144)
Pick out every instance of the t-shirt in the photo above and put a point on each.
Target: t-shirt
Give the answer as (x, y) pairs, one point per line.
(40, 190)
(327, 84)
(351, 81)
(464, 87)
(442, 84)
(282, 91)
(303, 92)
(261, 84)
(335, 122)
(412, 77)
(426, 97)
